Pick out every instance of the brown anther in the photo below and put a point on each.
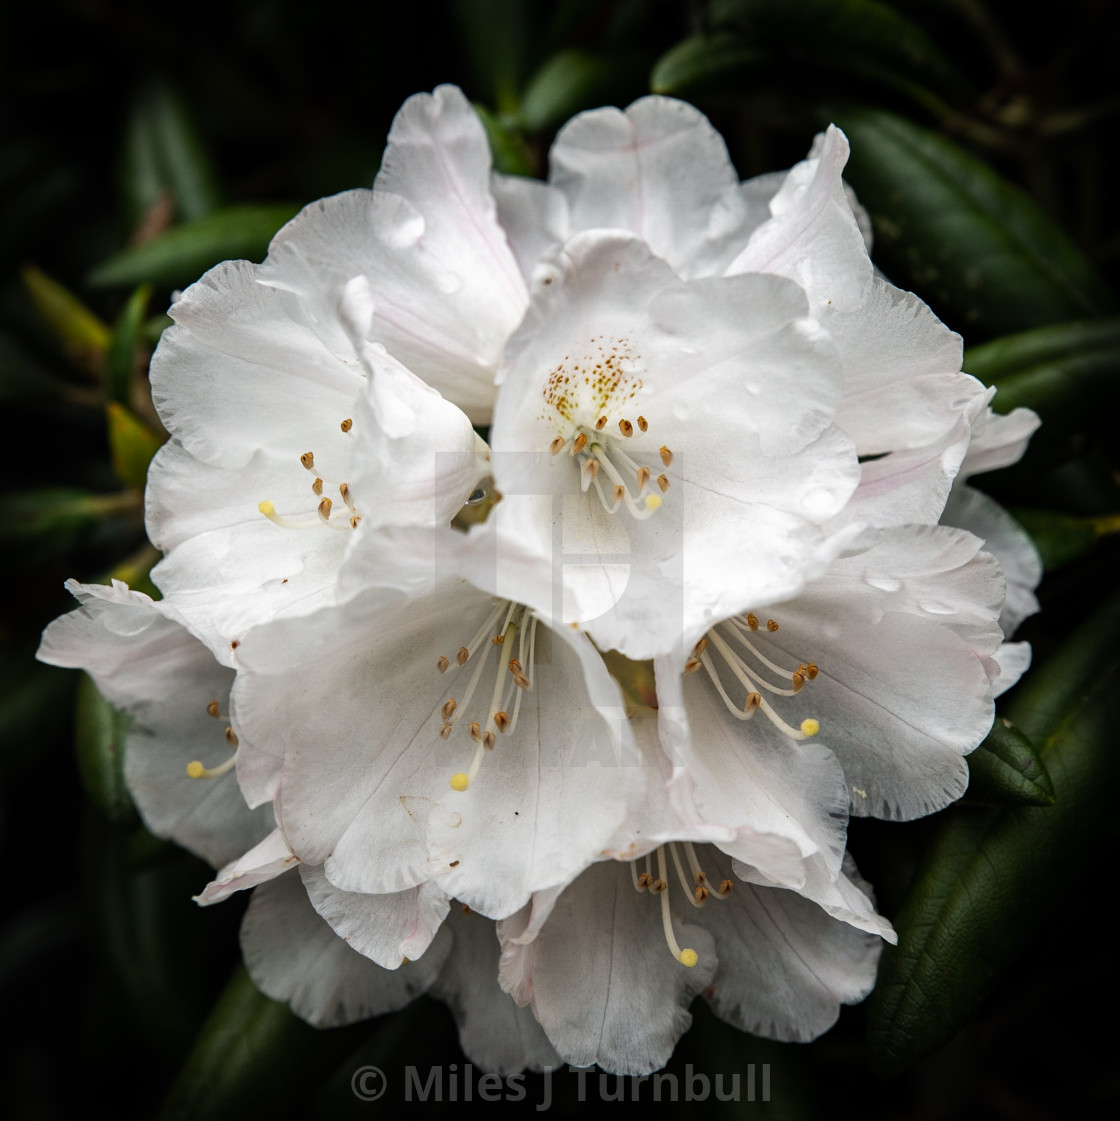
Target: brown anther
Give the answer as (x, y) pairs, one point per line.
(663, 482)
(502, 720)
(752, 620)
(462, 656)
(445, 731)
(442, 664)
(644, 881)
(643, 477)
(452, 864)
(449, 706)
(467, 910)
(692, 665)
(578, 444)
(619, 492)
(474, 731)
(625, 427)
(666, 455)
(658, 886)
(699, 878)
(557, 445)
(231, 736)
(700, 647)
(701, 894)
(308, 460)
(488, 740)
(346, 425)
(591, 469)
(214, 709)
(811, 671)
(515, 667)
(725, 887)
(355, 518)
(498, 639)
(600, 424)
(643, 424)
(522, 682)
(325, 508)
(752, 702)
(344, 491)
(771, 625)
(798, 682)
(317, 486)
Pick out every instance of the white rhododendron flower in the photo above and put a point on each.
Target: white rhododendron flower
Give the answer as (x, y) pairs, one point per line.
(716, 443)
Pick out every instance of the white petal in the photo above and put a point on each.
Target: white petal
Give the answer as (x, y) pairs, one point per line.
(601, 979)
(495, 1033)
(534, 216)
(998, 441)
(293, 956)
(900, 632)
(264, 862)
(1007, 541)
(386, 928)
(1013, 659)
(446, 287)
(785, 965)
(150, 666)
(812, 236)
(659, 170)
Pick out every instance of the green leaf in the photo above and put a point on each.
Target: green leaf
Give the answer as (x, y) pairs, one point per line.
(709, 64)
(124, 346)
(165, 154)
(99, 740)
(571, 81)
(131, 445)
(815, 39)
(1060, 538)
(252, 1056)
(184, 253)
(949, 226)
(83, 335)
(510, 152)
(52, 520)
(1006, 769)
(992, 877)
(1056, 371)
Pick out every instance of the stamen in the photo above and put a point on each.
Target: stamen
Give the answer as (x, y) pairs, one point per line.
(462, 656)
(502, 720)
(449, 707)
(663, 482)
(688, 890)
(687, 957)
(442, 664)
(196, 770)
(344, 491)
(215, 710)
(308, 460)
(643, 424)
(752, 620)
(600, 424)
(578, 444)
(643, 474)
(771, 625)
(325, 511)
(588, 474)
(474, 731)
(317, 486)
(231, 737)
(346, 425)
(557, 445)
(666, 455)
(626, 428)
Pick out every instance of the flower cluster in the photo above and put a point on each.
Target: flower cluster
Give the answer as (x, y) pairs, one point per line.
(723, 458)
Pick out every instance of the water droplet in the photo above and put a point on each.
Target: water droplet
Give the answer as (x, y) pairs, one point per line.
(883, 583)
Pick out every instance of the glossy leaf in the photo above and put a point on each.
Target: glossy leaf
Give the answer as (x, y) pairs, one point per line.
(184, 253)
(1054, 370)
(969, 241)
(854, 38)
(252, 1056)
(131, 444)
(124, 346)
(1006, 769)
(99, 741)
(709, 64)
(1061, 538)
(992, 876)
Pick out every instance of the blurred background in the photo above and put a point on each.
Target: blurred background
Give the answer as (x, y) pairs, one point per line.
(140, 144)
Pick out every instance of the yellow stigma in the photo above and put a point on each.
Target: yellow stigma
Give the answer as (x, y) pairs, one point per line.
(810, 727)
(267, 508)
(688, 957)
(195, 769)
(459, 781)
(653, 501)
